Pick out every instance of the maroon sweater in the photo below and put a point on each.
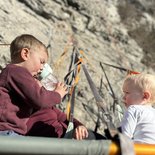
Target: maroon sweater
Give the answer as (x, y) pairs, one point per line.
(23, 104)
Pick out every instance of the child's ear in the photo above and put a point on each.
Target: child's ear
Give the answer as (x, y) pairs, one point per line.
(146, 95)
(25, 53)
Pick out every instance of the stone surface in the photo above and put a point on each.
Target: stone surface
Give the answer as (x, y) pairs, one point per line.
(117, 32)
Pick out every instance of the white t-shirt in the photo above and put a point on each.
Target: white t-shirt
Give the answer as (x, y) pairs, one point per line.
(139, 123)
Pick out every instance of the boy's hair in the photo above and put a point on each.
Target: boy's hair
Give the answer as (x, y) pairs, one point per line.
(24, 41)
(146, 82)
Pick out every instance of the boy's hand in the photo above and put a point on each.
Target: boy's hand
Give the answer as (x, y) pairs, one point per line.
(61, 88)
(80, 132)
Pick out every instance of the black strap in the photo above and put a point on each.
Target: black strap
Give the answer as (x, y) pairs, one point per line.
(126, 144)
(69, 131)
(94, 90)
(113, 94)
(70, 128)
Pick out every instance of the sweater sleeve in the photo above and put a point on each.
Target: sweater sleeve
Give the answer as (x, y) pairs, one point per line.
(76, 123)
(22, 84)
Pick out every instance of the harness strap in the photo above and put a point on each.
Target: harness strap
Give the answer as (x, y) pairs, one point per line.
(76, 79)
(69, 131)
(98, 98)
(70, 105)
(121, 68)
(126, 144)
(113, 94)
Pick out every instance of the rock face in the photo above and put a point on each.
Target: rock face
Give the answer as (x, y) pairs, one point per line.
(116, 32)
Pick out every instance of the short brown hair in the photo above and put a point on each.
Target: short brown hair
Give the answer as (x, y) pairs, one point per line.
(24, 41)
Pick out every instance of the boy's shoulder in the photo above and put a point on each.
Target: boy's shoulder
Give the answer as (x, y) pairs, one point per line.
(12, 69)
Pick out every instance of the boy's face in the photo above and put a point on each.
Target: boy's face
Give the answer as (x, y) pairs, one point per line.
(35, 60)
(133, 95)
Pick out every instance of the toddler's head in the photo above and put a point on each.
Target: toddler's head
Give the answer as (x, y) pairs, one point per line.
(139, 89)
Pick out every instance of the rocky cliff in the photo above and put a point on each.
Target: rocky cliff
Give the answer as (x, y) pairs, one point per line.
(119, 33)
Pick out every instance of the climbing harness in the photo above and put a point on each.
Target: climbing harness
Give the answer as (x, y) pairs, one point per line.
(76, 62)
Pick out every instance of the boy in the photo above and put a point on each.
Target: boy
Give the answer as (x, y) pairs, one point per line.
(27, 108)
(139, 119)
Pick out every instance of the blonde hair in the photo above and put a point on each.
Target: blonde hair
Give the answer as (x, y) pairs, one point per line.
(24, 41)
(146, 82)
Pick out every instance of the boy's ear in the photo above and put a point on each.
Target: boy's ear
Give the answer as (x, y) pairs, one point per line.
(147, 95)
(25, 53)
